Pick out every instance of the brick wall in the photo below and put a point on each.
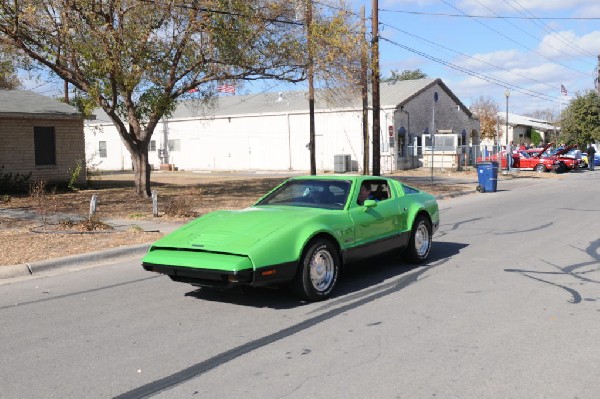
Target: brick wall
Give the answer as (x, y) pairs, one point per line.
(17, 149)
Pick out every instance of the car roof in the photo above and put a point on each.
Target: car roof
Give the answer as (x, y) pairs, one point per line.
(340, 177)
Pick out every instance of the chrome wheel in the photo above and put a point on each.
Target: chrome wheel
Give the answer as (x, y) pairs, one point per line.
(422, 240)
(318, 270)
(321, 269)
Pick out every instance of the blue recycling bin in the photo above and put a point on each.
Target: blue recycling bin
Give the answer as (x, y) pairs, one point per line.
(487, 176)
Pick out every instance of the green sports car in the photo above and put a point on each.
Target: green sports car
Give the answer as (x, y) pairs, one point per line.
(301, 233)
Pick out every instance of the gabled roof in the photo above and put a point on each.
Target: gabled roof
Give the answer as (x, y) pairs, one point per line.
(19, 103)
(522, 120)
(392, 95)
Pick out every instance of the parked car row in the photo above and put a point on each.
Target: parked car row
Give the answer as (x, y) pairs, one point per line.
(559, 160)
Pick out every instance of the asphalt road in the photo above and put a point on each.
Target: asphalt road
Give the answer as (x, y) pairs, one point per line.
(508, 307)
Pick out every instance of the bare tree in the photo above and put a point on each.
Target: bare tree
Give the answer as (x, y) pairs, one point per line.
(486, 109)
(333, 58)
(547, 115)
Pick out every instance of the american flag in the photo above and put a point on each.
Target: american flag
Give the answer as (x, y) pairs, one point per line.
(226, 88)
(563, 90)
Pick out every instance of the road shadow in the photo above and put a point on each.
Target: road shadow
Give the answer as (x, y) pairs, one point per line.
(354, 278)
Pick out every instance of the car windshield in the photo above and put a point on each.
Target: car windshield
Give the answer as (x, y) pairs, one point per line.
(524, 154)
(326, 194)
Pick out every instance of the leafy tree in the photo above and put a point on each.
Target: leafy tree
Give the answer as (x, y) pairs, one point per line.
(136, 58)
(336, 48)
(8, 75)
(486, 109)
(407, 74)
(536, 137)
(580, 123)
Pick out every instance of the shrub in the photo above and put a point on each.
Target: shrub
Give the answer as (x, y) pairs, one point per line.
(13, 183)
(37, 191)
(74, 176)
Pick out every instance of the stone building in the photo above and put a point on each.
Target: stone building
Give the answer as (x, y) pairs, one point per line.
(40, 135)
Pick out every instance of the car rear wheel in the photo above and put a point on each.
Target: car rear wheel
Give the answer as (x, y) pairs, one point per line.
(540, 168)
(318, 272)
(419, 245)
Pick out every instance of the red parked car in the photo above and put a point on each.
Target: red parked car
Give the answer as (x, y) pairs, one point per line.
(532, 160)
(570, 162)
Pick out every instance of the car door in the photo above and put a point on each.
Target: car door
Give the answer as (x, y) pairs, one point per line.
(376, 227)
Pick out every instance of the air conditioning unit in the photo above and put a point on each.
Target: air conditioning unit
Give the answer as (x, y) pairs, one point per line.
(342, 163)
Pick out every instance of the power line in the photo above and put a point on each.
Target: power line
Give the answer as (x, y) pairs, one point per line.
(515, 41)
(469, 72)
(229, 13)
(518, 27)
(468, 56)
(434, 14)
(547, 29)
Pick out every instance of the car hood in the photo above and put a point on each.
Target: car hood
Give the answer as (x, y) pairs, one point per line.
(541, 153)
(563, 151)
(236, 232)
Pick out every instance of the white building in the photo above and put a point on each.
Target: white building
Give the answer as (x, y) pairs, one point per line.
(270, 131)
(520, 128)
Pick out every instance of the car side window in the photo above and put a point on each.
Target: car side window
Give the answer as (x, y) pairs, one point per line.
(377, 190)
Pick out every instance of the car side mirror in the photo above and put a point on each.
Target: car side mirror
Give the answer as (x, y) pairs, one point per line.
(370, 204)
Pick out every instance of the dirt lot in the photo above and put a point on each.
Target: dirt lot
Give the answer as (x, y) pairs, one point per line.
(182, 196)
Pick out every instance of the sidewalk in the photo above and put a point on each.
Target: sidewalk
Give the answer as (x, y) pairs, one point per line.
(89, 258)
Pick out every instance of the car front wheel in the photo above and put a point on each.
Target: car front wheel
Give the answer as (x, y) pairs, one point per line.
(419, 245)
(318, 271)
(540, 168)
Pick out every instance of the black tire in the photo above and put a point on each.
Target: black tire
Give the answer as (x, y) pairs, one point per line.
(318, 271)
(540, 167)
(560, 168)
(480, 189)
(419, 244)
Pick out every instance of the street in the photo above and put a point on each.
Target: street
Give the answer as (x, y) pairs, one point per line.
(507, 307)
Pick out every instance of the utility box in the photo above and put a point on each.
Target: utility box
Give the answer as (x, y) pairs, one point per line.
(342, 163)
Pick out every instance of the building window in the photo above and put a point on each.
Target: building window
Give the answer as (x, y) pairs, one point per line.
(102, 149)
(175, 145)
(152, 146)
(45, 145)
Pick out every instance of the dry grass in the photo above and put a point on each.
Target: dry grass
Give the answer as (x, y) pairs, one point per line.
(182, 196)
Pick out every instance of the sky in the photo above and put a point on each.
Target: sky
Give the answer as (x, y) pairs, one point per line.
(534, 48)
(482, 48)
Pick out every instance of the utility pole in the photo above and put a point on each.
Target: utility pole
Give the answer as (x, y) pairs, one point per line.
(375, 82)
(311, 88)
(364, 70)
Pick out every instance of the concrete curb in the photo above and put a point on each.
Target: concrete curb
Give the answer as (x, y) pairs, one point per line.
(32, 268)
